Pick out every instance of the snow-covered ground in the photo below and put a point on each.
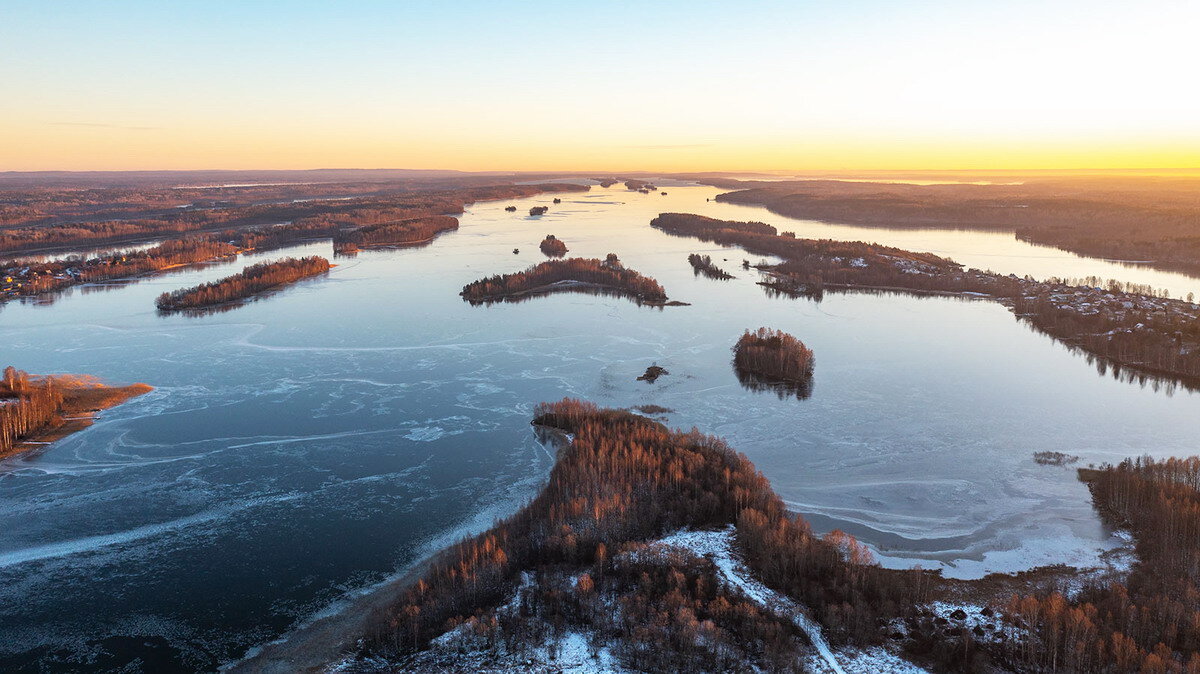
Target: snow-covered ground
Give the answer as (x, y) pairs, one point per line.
(717, 546)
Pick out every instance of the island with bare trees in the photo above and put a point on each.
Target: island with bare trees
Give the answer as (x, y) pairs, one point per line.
(553, 247)
(703, 264)
(253, 280)
(586, 275)
(772, 359)
(400, 233)
(36, 410)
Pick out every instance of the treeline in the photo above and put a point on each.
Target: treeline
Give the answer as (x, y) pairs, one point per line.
(1151, 623)
(571, 274)
(622, 480)
(41, 203)
(703, 264)
(322, 216)
(33, 278)
(1151, 334)
(1130, 218)
(407, 232)
(27, 406)
(252, 280)
(553, 247)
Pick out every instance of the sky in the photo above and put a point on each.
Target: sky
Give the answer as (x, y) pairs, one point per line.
(556, 86)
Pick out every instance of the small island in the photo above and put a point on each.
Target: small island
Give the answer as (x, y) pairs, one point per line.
(767, 359)
(653, 373)
(553, 247)
(251, 281)
(586, 275)
(37, 410)
(407, 232)
(703, 264)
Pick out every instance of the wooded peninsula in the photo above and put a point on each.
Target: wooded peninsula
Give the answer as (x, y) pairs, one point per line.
(1130, 329)
(599, 536)
(36, 410)
(1116, 217)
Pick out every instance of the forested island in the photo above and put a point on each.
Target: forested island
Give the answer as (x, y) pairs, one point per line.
(407, 232)
(553, 247)
(251, 281)
(571, 275)
(1129, 328)
(1150, 219)
(703, 264)
(773, 359)
(36, 410)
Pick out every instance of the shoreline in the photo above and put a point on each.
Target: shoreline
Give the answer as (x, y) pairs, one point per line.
(83, 402)
(322, 640)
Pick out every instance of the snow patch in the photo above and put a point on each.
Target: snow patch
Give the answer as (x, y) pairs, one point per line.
(717, 546)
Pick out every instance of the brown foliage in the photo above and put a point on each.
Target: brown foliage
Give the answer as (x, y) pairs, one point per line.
(1124, 326)
(1152, 623)
(1130, 218)
(623, 479)
(703, 264)
(26, 406)
(582, 272)
(553, 247)
(405, 232)
(252, 280)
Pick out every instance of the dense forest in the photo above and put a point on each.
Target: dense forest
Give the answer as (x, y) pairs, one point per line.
(26, 406)
(773, 359)
(316, 216)
(1129, 218)
(572, 274)
(577, 552)
(251, 281)
(1129, 327)
(703, 264)
(580, 558)
(1150, 622)
(553, 247)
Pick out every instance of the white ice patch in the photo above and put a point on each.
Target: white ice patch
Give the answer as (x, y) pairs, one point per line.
(425, 434)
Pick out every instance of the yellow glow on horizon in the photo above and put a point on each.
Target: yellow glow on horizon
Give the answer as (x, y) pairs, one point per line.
(863, 85)
(71, 147)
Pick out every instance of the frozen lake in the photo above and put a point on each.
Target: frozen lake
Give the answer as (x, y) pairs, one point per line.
(313, 443)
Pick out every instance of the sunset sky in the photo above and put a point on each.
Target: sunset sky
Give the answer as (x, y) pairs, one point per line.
(603, 85)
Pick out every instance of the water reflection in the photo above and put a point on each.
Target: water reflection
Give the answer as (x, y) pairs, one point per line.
(783, 389)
